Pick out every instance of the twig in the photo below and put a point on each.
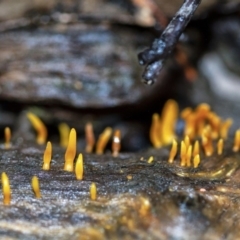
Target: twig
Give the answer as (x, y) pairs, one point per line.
(162, 47)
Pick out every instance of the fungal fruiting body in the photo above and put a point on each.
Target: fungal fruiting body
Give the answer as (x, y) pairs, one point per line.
(116, 143)
(220, 146)
(236, 141)
(150, 160)
(103, 140)
(93, 191)
(39, 126)
(183, 153)
(64, 131)
(35, 187)
(7, 134)
(162, 130)
(47, 156)
(6, 189)
(155, 131)
(79, 167)
(90, 138)
(173, 151)
(196, 161)
(70, 151)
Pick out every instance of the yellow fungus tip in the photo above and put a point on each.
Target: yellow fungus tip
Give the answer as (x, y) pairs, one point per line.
(220, 146)
(79, 167)
(6, 189)
(39, 126)
(116, 143)
(150, 160)
(173, 151)
(64, 131)
(47, 156)
(70, 151)
(196, 161)
(7, 134)
(35, 187)
(93, 191)
(103, 140)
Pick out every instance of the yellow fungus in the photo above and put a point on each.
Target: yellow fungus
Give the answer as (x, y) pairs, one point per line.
(169, 118)
(196, 148)
(236, 141)
(207, 141)
(39, 126)
(189, 156)
(47, 156)
(103, 140)
(224, 128)
(116, 143)
(187, 141)
(90, 138)
(220, 146)
(196, 161)
(7, 133)
(70, 151)
(129, 177)
(6, 189)
(64, 131)
(183, 153)
(35, 187)
(93, 191)
(79, 167)
(155, 131)
(173, 151)
(150, 160)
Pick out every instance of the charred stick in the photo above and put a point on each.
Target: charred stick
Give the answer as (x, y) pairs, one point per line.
(162, 47)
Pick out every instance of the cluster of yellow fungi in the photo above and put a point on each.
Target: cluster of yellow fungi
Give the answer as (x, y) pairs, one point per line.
(203, 130)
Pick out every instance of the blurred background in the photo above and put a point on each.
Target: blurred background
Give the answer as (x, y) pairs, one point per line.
(75, 61)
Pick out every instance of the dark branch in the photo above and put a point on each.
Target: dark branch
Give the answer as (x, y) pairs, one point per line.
(162, 47)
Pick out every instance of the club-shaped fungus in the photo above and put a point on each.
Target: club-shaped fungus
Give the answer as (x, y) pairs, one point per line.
(70, 151)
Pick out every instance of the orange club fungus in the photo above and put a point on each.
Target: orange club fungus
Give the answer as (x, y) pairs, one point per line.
(47, 156)
(7, 134)
(6, 189)
(173, 151)
(93, 191)
(35, 187)
(162, 131)
(90, 138)
(79, 167)
(220, 146)
(39, 126)
(236, 141)
(103, 140)
(116, 143)
(70, 153)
